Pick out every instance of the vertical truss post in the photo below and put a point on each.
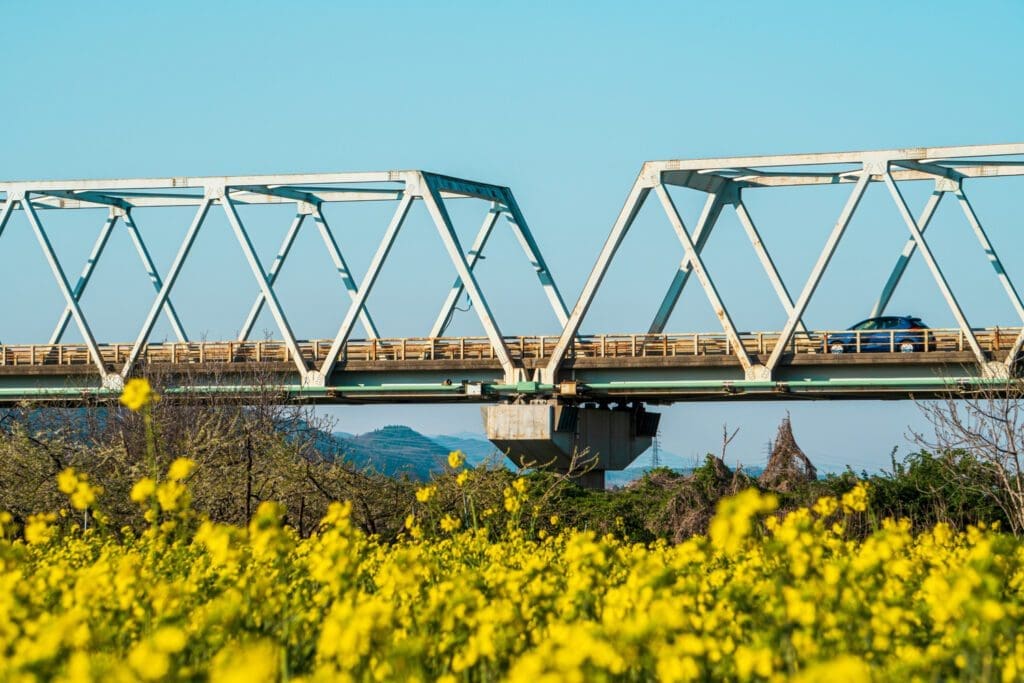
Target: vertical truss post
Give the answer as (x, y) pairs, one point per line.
(5, 214)
(383, 249)
(933, 266)
(438, 212)
(275, 267)
(445, 315)
(168, 283)
(83, 279)
(697, 265)
(997, 265)
(154, 277)
(904, 258)
(701, 232)
(819, 268)
(261, 278)
(765, 258)
(547, 281)
(65, 288)
(343, 270)
(635, 200)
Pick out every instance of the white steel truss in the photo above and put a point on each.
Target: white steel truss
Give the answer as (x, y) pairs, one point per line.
(308, 193)
(725, 179)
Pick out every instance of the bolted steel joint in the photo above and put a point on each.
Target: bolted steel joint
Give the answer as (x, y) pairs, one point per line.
(876, 166)
(758, 373)
(215, 191)
(314, 378)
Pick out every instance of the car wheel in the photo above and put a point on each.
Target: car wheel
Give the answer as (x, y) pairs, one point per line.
(837, 348)
(907, 346)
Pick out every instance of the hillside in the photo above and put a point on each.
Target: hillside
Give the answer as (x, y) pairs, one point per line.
(394, 450)
(476, 447)
(398, 450)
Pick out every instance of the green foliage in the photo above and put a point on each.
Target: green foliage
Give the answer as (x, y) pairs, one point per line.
(928, 488)
(248, 455)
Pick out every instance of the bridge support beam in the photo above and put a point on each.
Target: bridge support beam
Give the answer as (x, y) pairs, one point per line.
(581, 442)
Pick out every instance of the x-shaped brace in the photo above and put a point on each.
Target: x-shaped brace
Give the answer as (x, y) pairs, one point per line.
(90, 265)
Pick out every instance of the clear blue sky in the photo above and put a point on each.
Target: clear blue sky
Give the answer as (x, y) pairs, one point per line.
(561, 101)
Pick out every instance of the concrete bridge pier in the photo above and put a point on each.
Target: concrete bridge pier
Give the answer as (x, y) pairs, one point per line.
(583, 442)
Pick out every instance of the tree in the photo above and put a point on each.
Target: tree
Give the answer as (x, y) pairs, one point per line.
(979, 439)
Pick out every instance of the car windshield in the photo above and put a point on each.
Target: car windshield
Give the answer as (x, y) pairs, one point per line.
(866, 325)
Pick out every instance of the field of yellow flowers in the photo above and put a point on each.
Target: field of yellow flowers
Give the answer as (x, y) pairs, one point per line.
(478, 598)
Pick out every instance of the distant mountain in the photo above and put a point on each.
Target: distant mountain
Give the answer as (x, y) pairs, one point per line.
(476, 447)
(394, 450)
(398, 450)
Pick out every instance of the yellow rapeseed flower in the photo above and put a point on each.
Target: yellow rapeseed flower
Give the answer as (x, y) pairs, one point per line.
(449, 523)
(67, 481)
(143, 490)
(39, 529)
(180, 469)
(137, 394)
(455, 459)
(856, 500)
(258, 662)
(84, 495)
(149, 663)
(170, 639)
(195, 599)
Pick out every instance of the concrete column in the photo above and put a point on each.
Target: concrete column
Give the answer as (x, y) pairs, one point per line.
(583, 442)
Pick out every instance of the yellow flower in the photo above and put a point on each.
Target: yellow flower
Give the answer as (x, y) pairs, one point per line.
(149, 663)
(143, 490)
(733, 521)
(554, 520)
(180, 468)
(455, 459)
(169, 639)
(449, 523)
(826, 506)
(137, 394)
(258, 662)
(171, 495)
(84, 495)
(425, 494)
(462, 478)
(67, 481)
(857, 499)
(38, 530)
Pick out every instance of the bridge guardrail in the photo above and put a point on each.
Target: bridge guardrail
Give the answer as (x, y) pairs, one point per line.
(413, 349)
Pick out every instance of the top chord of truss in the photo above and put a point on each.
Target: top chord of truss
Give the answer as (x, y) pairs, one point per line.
(912, 163)
(313, 188)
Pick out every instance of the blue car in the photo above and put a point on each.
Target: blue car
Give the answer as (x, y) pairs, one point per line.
(901, 333)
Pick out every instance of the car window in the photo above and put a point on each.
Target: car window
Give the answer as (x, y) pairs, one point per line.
(871, 324)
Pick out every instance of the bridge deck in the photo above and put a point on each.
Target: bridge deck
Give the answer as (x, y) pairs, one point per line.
(612, 350)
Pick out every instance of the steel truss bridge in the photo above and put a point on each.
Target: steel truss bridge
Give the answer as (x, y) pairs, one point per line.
(571, 368)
